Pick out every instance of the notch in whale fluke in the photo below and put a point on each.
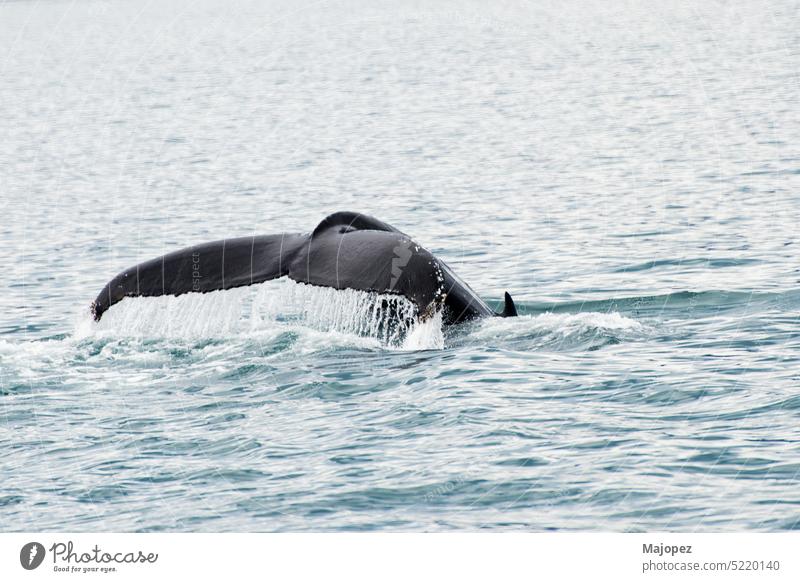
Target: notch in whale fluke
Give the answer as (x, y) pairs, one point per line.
(509, 310)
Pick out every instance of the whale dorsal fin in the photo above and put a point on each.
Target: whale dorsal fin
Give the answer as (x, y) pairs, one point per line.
(352, 221)
(509, 310)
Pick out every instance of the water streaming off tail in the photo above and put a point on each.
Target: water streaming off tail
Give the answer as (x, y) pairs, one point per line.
(194, 315)
(389, 319)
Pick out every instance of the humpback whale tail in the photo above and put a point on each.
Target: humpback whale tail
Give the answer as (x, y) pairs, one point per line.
(347, 250)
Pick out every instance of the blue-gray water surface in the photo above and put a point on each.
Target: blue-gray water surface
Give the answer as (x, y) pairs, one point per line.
(630, 173)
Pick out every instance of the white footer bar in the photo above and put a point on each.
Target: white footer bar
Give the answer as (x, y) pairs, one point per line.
(403, 557)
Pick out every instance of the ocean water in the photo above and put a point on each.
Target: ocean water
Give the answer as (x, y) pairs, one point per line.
(629, 172)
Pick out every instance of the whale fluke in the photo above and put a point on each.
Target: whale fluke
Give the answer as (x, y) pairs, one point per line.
(347, 250)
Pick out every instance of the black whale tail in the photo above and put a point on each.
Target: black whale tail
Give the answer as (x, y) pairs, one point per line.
(347, 250)
(509, 309)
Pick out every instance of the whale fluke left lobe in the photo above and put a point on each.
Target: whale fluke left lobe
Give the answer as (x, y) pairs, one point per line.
(222, 264)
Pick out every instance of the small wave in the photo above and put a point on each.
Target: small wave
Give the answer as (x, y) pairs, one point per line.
(679, 301)
(561, 330)
(707, 263)
(32, 357)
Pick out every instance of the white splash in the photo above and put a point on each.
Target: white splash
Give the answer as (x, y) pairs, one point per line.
(193, 315)
(387, 320)
(426, 335)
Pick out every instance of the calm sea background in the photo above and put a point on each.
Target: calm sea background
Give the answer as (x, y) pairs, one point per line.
(629, 172)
